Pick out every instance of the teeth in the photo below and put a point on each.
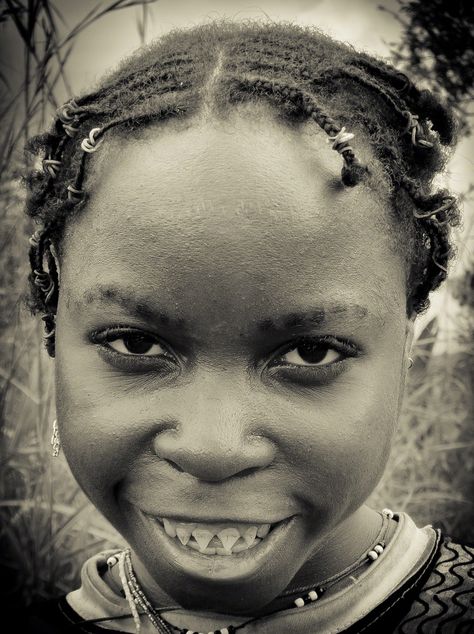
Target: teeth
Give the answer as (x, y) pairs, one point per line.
(206, 551)
(169, 528)
(203, 537)
(184, 533)
(208, 537)
(228, 537)
(250, 535)
(263, 530)
(238, 548)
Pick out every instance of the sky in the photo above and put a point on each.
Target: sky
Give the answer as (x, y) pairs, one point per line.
(359, 22)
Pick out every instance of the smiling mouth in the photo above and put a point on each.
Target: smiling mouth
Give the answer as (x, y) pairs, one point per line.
(216, 538)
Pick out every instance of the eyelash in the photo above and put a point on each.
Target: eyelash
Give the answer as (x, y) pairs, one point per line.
(342, 346)
(129, 362)
(135, 363)
(317, 373)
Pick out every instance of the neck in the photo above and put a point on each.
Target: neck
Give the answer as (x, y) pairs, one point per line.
(341, 548)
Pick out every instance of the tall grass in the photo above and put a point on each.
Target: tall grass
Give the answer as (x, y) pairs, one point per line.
(47, 527)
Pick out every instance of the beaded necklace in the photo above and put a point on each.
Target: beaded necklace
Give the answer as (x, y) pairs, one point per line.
(139, 603)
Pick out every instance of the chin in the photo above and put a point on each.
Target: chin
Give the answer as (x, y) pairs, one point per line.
(238, 575)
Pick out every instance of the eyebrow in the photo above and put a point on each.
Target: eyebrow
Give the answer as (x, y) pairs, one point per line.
(312, 318)
(128, 299)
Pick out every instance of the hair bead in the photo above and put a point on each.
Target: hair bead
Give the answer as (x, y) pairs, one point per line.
(67, 112)
(45, 282)
(414, 129)
(70, 129)
(92, 142)
(340, 140)
(35, 238)
(51, 166)
(73, 193)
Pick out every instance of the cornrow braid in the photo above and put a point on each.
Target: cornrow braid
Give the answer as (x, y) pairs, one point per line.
(427, 105)
(353, 171)
(305, 76)
(409, 123)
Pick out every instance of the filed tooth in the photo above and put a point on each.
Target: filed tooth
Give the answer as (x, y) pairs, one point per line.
(238, 548)
(169, 528)
(263, 530)
(184, 533)
(250, 535)
(228, 537)
(255, 543)
(203, 537)
(223, 551)
(207, 551)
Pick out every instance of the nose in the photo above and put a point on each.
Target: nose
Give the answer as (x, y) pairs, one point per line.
(215, 439)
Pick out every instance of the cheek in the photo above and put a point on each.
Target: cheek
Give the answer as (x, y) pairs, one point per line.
(341, 440)
(98, 435)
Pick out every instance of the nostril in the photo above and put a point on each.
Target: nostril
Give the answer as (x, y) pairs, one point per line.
(248, 472)
(174, 465)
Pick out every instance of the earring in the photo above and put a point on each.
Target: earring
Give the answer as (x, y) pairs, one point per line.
(410, 362)
(55, 441)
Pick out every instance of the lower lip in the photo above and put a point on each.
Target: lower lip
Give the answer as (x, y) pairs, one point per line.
(218, 568)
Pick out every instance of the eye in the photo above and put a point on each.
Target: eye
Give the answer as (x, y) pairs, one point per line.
(135, 351)
(321, 355)
(312, 353)
(135, 343)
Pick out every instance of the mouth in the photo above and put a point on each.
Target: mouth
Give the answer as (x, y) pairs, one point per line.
(216, 538)
(220, 551)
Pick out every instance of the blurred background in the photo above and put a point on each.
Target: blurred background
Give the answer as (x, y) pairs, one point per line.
(51, 50)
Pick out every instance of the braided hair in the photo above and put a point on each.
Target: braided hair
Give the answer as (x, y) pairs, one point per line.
(306, 76)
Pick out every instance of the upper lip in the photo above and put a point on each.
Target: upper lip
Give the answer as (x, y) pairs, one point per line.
(215, 519)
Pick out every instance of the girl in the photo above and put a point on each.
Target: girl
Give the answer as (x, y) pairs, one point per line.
(231, 318)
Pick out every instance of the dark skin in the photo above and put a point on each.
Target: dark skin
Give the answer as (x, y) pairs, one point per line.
(226, 245)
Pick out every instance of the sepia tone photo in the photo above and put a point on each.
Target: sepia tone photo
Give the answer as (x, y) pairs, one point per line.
(237, 316)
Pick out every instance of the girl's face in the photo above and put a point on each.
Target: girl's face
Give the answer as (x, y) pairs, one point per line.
(231, 347)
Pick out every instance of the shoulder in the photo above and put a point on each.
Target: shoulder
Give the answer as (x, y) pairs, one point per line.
(445, 601)
(55, 616)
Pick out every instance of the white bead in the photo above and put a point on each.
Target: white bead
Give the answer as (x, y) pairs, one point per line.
(372, 555)
(299, 602)
(224, 630)
(313, 595)
(389, 513)
(378, 549)
(111, 561)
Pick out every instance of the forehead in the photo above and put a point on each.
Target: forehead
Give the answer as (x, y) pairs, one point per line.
(243, 208)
